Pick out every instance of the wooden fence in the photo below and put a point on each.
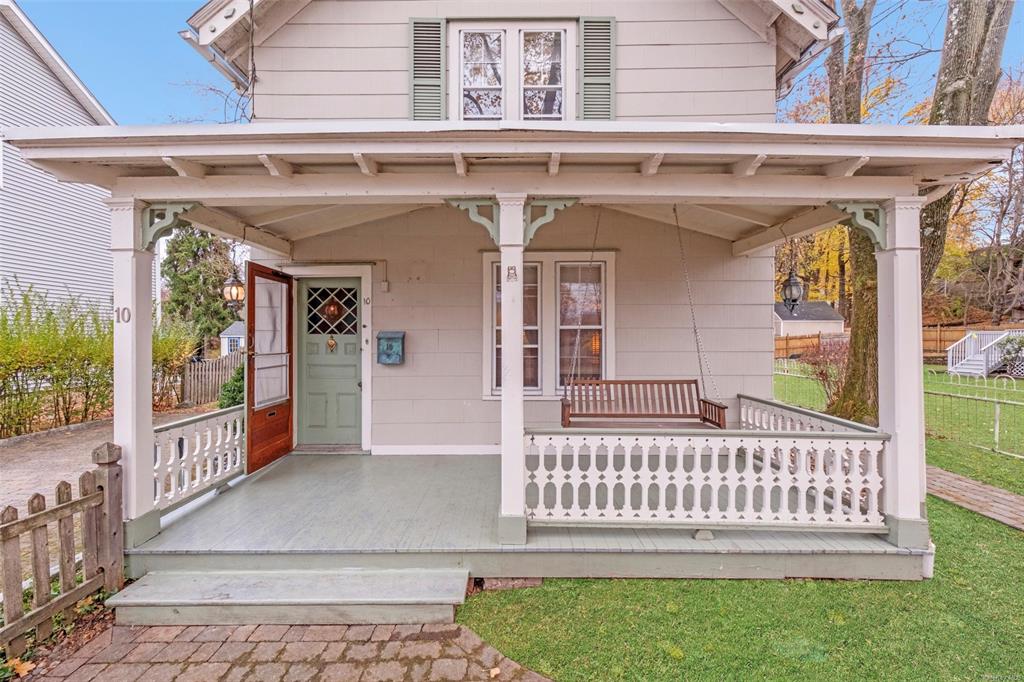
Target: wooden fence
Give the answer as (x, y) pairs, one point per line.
(936, 340)
(795, 346)
(102, 550)
(203, 380)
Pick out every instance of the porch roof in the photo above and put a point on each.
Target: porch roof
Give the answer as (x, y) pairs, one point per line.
(352, 172)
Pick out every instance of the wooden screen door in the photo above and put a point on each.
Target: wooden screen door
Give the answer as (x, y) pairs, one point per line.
(269, 364)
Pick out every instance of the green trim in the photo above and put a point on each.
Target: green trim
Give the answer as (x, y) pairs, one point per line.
(159, 220)
(472, 208)
(550, 206)
(868, 217)
(590, 85)
(428, 93)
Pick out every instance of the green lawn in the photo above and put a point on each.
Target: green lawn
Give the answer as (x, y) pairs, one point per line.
(966, 623)
(971, 422)
(998, 470)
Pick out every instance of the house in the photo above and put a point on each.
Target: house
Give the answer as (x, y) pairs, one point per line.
(232, 338)
(810, 317)
(39, 89)
(558, 199)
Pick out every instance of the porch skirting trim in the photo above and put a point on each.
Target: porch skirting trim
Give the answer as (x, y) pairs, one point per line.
(487, 449)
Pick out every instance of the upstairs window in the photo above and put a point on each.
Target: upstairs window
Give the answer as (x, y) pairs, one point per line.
(519, 71)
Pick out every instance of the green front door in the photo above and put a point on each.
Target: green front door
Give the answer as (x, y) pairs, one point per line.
(330, 380)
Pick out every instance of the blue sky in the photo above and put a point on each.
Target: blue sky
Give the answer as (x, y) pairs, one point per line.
(129, 54)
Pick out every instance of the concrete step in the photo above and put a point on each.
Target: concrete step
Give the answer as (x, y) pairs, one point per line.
(347, 596)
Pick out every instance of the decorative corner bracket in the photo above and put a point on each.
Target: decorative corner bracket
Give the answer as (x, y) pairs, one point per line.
(868, 217)
(550, 206)
(530, 224)
(472, 208)
(160, 219)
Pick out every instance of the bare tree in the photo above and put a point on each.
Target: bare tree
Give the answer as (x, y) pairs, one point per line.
(972, 52)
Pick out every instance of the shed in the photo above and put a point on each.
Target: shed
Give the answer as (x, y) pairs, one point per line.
(810, 317)
(232, 338)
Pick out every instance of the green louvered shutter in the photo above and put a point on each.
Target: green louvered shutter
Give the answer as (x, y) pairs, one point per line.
(427, 69)
(597, 68)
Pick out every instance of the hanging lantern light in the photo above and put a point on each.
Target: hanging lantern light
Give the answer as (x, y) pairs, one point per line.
(792, 292)
(234, 292)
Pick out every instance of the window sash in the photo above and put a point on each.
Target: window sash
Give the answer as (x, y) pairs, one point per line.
(527, 329)
(513, 90)
(582, 328)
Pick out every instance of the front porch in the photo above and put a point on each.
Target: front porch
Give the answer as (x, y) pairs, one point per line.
(512, 256)
(334, 512)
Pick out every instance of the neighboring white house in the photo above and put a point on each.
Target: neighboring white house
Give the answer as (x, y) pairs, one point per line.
(38, 213)
(547, 198)
(810, 317)
(232, 338)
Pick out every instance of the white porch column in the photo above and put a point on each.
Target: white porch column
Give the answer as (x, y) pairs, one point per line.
(512, 521)
(133, 366)
(900, 381)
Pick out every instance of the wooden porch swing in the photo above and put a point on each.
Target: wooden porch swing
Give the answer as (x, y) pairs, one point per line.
(647, 403)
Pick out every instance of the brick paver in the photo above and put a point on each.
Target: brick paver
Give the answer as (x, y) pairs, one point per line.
(289, 653)
(986, 500)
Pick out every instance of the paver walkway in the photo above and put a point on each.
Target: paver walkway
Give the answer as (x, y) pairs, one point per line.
(984, 499)
(330, 653)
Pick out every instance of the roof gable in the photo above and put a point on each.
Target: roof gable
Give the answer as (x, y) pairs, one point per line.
(817, 311)
(49, 56)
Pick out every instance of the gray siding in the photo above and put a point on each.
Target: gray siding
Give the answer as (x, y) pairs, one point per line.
(53, 236)
(435, 265)
(676, 60)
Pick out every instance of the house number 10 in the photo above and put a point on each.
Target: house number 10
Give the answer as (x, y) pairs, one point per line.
(123, 314)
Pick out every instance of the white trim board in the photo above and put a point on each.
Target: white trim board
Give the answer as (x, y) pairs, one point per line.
(365, 275)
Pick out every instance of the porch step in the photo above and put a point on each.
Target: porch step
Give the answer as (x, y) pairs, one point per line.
(347, 596)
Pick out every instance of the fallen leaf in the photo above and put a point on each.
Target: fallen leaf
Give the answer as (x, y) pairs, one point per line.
(20, 667)
(495, 672)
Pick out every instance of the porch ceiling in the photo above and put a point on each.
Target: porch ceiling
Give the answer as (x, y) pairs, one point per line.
(734, 181)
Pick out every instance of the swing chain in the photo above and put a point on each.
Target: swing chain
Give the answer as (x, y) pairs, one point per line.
(574, 365)
(702, 358)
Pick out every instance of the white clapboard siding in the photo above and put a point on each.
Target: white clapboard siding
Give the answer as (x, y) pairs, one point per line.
(350, 59)
(53, 236)
(436, 398)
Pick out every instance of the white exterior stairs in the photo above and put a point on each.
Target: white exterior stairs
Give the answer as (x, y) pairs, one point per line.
(978, 353)
(292, 597)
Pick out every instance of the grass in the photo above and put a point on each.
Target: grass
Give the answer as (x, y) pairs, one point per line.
(1001, 471)
(971, 422)
(966, 623)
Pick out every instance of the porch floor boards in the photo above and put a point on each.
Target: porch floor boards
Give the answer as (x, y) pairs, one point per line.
(322, 504)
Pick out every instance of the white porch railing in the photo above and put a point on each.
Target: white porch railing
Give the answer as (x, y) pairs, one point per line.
(758, 414)
(197, 454)
(705, 479)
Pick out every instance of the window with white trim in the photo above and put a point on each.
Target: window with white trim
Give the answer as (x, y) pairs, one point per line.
(518, 71)
(580, 321)
(568, 318)
(531, 327)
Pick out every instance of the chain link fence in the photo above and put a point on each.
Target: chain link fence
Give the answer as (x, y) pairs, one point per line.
(986, 413)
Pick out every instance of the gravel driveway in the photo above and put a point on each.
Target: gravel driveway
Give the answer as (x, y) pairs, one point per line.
(41, 461)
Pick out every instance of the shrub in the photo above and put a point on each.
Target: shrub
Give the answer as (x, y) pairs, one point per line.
(1012, 348)
(233, 391)
(174, 345)
(56, 362)
(828, 365)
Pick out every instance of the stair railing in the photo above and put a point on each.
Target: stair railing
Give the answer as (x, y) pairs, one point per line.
(960, 351)
(992, 354)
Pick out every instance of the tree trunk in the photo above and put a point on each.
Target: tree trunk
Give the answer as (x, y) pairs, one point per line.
(843, 304)
(858, 398)
(972, 52)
